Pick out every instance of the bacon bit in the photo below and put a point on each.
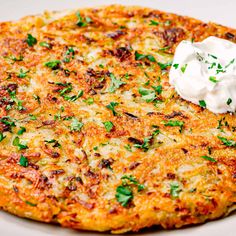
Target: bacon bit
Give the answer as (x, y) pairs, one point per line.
(122, 53)
(131, 115)
(104, 163)
(173, 35)
(184, 150)
(170, 175)
(49, 122)
(229, 35)
(154, 114)
(57, 172)
(34, 154)
(16, 190)
(51, 153)
(134, 165)
(86, 205)
(151, 14)
(113, 210)
(50, 98)
(174, 114)
(117, 34)
(135, 141)
(78, 179)
(43, 182)
(34, 166)
(92, 78)
(91, 174)
(72, 188)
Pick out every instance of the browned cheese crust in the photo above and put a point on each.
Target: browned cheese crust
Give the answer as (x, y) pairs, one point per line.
(92, 135)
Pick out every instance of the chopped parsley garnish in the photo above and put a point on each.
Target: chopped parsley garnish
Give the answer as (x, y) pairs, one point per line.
(8, 121)
(128, 147)
(108, 125)
(227, 142)
(22, 74)
(174, 190)
(158, 89)
(30, 203)
(16, 100)
(183, 68)
(31, 40)
(16, 143)
(124, 195)
(54, 142)
(89, 101)
(230, 63)
(213, 79)
(32, 117)
(13, 58)
(69, 54)
(74, 97)
(112, 106)
(53, 64)
(45, 44)
(164, 48)
(209, 158)
(67, 89)
(21, 130)
(176, 66)
(139, 56)
(229, 101)
(2, 137)
(145, 145)
(23, 161)
(147, 94)
(175, 123)
(163, 66)
(167, 23)
(202, 103)
(37, 98)
(153, 22)
(129, 179)
(76, 125)
(82, 22)
(115, 83)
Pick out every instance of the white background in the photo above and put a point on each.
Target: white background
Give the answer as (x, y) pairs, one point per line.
(222, 12)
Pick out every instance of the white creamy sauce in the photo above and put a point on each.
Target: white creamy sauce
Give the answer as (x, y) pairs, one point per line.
(204, 73)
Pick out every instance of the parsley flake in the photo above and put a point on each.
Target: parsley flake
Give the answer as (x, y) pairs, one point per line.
(174, 190)
(21, 130)
(227, 142)
(115, 83)
(2, 137)
(76, 125)
(209, 158)
(147, 94)
(175, 123)
(108, 125)
(229, 101)
(124, 195)
(53, 64)
(23, 161)
(16, 143)
(31, 40)
(112, 106)
(202, 103)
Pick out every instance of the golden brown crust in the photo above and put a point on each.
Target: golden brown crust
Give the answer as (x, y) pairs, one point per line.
(74, 164)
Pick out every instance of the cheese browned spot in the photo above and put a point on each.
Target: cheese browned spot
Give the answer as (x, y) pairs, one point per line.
(106, 143)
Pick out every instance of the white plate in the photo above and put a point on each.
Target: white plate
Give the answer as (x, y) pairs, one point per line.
(219, 11)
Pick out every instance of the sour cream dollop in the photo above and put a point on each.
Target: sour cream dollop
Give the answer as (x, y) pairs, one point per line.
(204, 73)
